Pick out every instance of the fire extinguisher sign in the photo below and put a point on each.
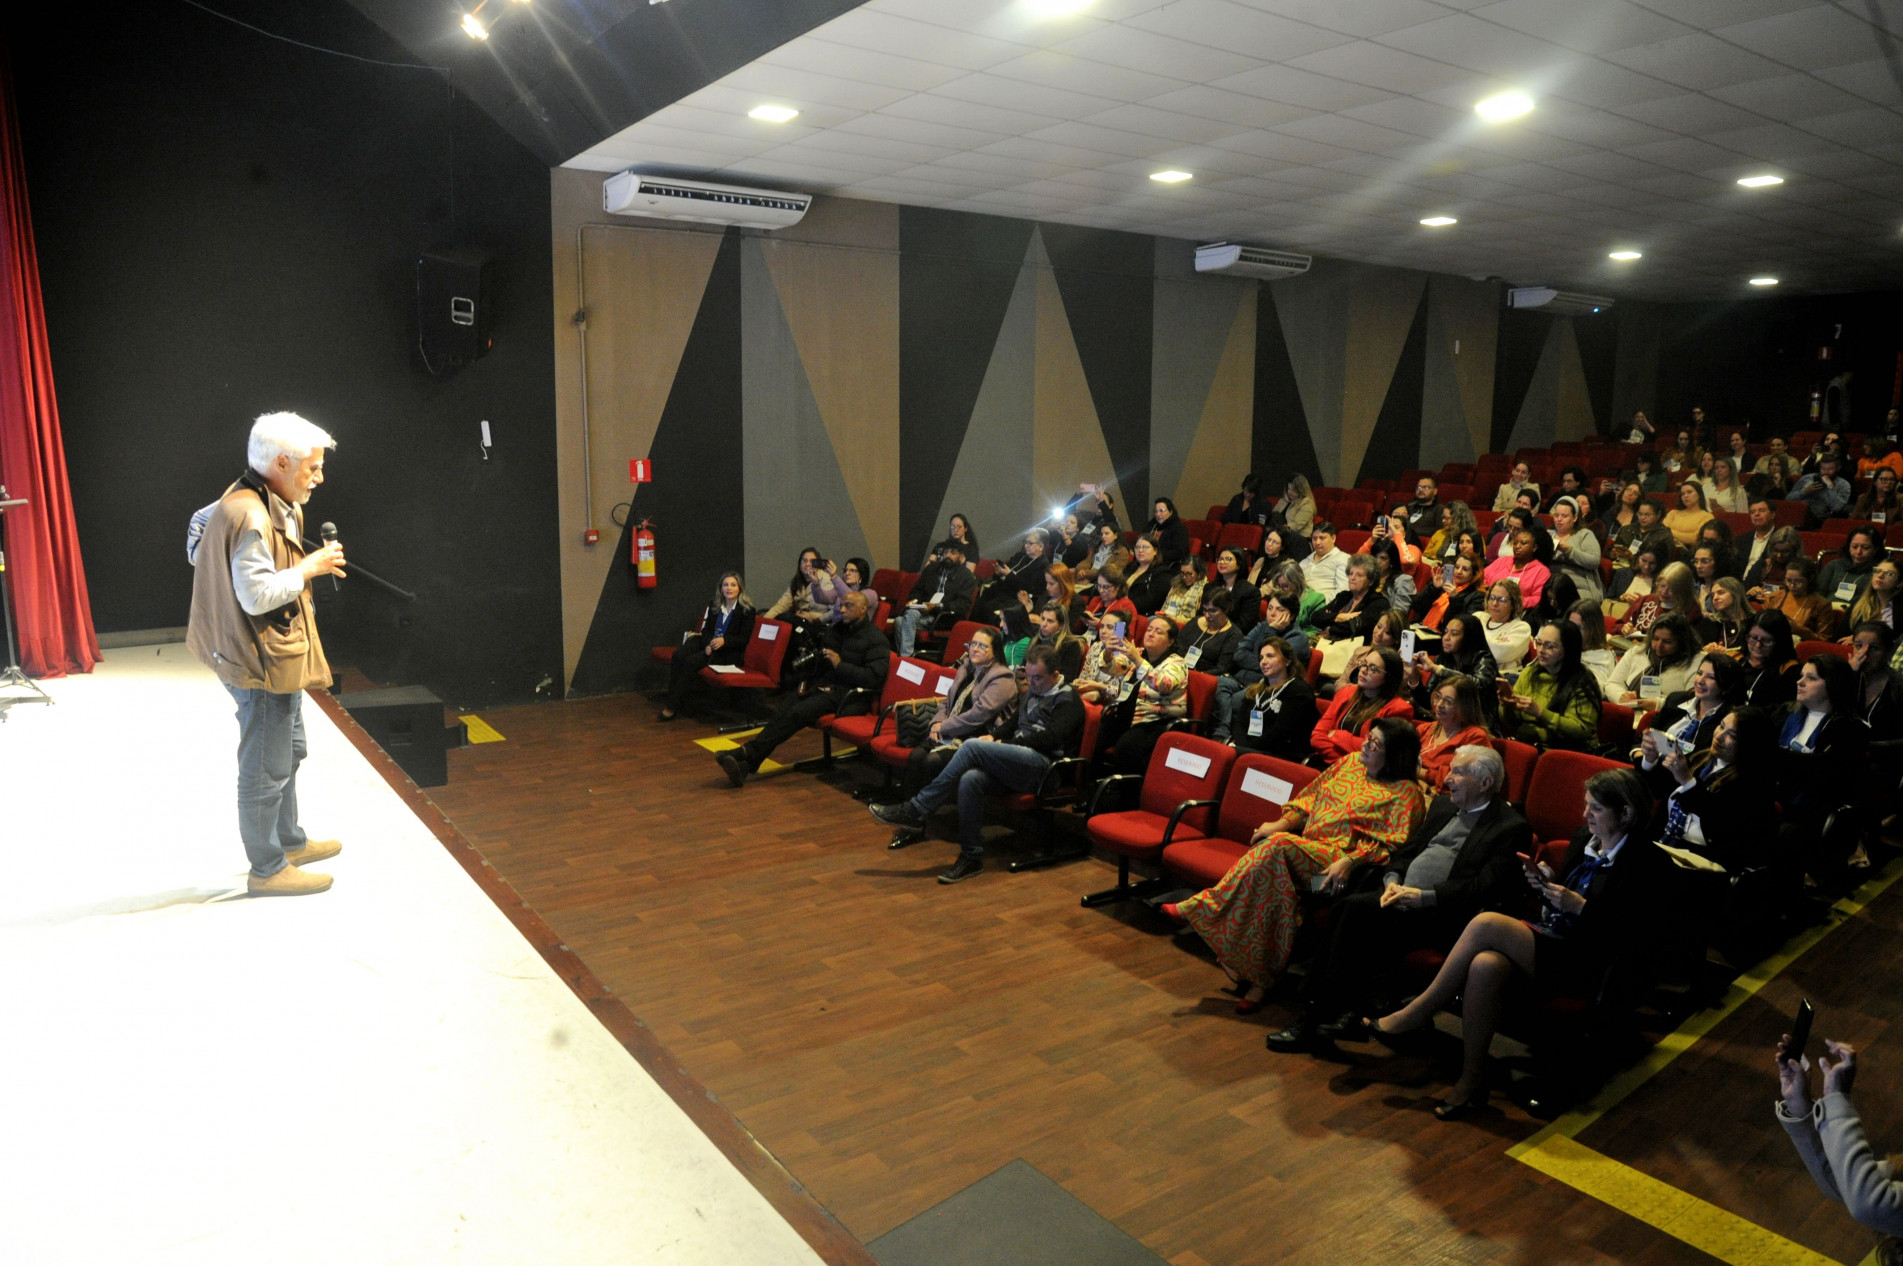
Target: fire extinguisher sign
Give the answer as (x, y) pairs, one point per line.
(640, 471)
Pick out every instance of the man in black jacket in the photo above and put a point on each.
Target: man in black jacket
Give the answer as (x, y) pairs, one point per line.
(1050, 723)
(857, 655)
(945, 587)
(1459, 861)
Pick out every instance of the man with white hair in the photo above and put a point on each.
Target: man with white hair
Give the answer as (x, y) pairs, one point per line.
(1458, 862)
(252, 623)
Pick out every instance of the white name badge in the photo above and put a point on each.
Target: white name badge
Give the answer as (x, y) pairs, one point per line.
(1268, 787)
(944, 686)
(1649, 688)
(938, 599)
(1878, 516)
(1192, 655)
(1255, 723)
(1846, 590)
(724, 669)
(769, 632)
(914, 673)
(1190, 763)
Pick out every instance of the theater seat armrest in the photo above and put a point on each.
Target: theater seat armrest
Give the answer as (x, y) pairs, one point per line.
(1177, 816)
(1059, 770)
(879, 725)
(1103, 785)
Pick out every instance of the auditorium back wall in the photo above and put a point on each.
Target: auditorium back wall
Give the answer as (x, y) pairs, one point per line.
(851, 382)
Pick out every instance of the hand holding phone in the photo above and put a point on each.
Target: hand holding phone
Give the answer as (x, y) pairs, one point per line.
(1792, 1047)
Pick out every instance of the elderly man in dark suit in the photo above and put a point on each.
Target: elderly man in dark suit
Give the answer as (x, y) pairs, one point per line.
(1459, 861)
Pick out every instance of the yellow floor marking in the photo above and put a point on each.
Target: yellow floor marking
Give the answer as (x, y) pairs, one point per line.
(727, 742)
(480, 731)
(1555, 1152)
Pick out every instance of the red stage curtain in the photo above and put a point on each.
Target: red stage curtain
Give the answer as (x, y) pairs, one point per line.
(42, 543)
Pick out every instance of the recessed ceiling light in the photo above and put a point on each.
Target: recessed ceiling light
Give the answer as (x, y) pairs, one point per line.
(1439, 221)
(1504, 106)
(1760, 182)
(1625, 255)
(773, 113)
(1171, 177)
(1764, 281)
(1045, 9)
(473, 27)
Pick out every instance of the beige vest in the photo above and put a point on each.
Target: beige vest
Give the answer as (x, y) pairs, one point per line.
(278, 651)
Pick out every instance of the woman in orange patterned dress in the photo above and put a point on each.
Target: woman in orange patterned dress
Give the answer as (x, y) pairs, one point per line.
(1361, 809)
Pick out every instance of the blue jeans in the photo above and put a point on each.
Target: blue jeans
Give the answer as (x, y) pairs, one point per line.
(978, 770)
(270, 748)
(908, 628)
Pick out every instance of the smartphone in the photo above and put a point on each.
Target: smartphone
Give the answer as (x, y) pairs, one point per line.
(1407, 647)
(1800, 1032)
(1119, 626)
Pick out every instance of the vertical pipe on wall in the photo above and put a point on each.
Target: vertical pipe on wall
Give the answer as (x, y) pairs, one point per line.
(581, 329)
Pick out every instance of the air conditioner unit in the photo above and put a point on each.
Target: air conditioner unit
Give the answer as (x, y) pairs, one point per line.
(664, 198)
(1250, 261)
(1557, 302)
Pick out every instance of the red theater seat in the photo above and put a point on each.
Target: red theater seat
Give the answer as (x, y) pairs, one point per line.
(1179, 791)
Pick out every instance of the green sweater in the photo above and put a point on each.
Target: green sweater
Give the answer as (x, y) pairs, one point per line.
(1575, 729)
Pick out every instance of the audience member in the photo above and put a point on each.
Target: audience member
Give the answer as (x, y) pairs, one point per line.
(830, 587)
(1290, 583)
(1523, 567)
(1519, 480)
(1362, 807)
(1879, 686)
(1843, 579)
(1461, 592)
(1825, 494)
(1423, 513)
(1166, 530)
(1689, 515)
(1461, 652)
(856, 656)
(944, 589)
(1621, 522)
(1152, 690)
(1109, 598)
(1148, 581)
(1185, 596)
(1575, 548)
(1298, 505)
(1829, 1135)
(1279, 545)
(725, 627)
(1325, 570)
(1242, 671)
(1023, 572)
(1720, 797)
(1880, 503)
(1723, 628)
(959, 530)
(1508, 636)
(1111, 554)
(1659, 666)
(1769, 661)
(1250, 505)
(1353, 611)
(1458, 861)
(1393, 581)
(1374, 690)
(1812, 617)
(1688, 719)
(1599, 914)
(1245, 600)
(1593, 653)
(1764, 579)
(800, 600)
(1746, 552)
(1459, 720)
(1048, 726)
(983, 689)
(1555, 701)
(1674, 593)
(1276, 713)
(1053, 632)
(1207, 642)
(1820, 756)
(1723, 491)
(1878, 600)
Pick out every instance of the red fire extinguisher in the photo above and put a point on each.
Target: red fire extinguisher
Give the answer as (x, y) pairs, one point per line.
(644, 554)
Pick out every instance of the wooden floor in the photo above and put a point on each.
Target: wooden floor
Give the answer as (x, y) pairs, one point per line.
(892, 1040)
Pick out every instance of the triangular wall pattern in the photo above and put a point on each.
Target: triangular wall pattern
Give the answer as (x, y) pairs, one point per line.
(645, 291)
(957, 273)
(1223, 446)
(1314, 321)
(843, 309)
(1281, 443)
(1107, 280)
(695, 450)
(1383, 308)
(1457, 388)
(1069, 445)
(1193, 323)
(1395, 444)
(795, 494)
(990, 483)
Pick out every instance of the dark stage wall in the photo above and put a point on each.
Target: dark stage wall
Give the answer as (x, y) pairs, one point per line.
(228, 225)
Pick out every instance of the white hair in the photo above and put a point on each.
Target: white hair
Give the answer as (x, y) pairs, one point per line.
(1488, 764)
(276, 435)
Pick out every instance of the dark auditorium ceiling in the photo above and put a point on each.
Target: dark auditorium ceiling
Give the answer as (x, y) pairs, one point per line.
(1326, 126)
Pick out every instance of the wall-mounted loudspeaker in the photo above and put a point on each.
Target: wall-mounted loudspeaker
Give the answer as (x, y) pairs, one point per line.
(453, 307)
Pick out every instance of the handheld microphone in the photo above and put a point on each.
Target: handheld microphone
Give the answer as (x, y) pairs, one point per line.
(328, 533)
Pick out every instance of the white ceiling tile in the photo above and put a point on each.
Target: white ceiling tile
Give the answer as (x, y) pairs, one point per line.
(1697, 61)
(1238, 28)
(804, 88)
(1224, 106)
(1872, 80)
(1788, 97)
(1592, 82)
(1460, 39)
(1071, 74)
(832, 161)
(993, 91)
(867, 27)
(1166, 123)
(1302, 88)
(733, 104)
(1050, 152)
(1281, 148)
(1872, 125)
(1586, 125)
(1109, 140)
(1352, 134)
(1607, 166)
(878, 146)
(1136, 49)
(1411, 115)
(1813, 37)
(999, 19)
(1684, 154)
(920, 131)
(1389, 68)
(1363, 17)
(863, 64)
(942, 106)
(1691, 115)
(1599, 27)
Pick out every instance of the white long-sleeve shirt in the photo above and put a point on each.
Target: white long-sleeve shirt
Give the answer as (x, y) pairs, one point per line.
(255, 577)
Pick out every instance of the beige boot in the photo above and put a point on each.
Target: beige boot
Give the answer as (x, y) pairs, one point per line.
(313, 851)
(289, 882)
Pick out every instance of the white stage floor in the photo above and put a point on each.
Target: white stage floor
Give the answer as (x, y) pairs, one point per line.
(387, 1072)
